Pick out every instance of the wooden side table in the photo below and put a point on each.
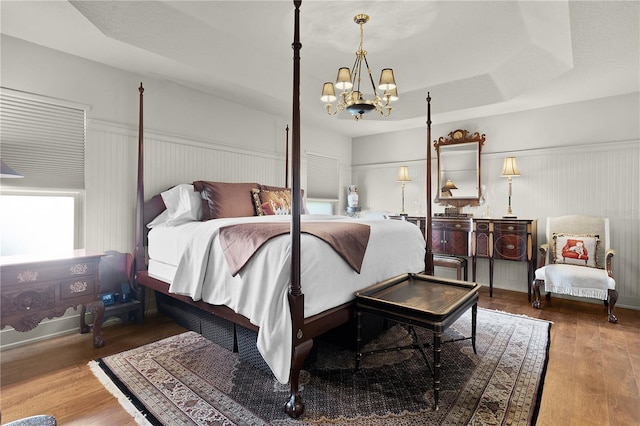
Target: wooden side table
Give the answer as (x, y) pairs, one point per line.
(38, 287)
(505, 239)
(422, 300)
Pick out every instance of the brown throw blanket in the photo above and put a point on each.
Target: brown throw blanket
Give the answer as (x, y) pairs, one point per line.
(241, 241)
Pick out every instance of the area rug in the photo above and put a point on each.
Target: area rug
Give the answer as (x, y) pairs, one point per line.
(188, 380)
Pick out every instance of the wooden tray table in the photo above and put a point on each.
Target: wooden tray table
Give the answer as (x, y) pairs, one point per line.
(421, 300)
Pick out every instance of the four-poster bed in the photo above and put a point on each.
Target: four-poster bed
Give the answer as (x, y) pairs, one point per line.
(304, 321)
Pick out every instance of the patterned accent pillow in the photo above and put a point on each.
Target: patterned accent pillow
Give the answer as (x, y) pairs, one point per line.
(271, 202)
(576, 249)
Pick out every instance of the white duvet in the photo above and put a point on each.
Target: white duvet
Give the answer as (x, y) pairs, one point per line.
(259, 290)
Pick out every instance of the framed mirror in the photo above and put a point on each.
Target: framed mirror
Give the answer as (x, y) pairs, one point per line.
(459, 168)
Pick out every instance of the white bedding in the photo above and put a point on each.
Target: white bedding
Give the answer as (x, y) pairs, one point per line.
(259, 291)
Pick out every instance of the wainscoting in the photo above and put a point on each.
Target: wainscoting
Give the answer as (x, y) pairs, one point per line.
(111, 167)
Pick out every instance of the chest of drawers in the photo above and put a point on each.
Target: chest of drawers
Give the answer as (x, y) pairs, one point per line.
(35, 288)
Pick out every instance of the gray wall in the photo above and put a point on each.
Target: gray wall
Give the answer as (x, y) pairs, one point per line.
(579, 158)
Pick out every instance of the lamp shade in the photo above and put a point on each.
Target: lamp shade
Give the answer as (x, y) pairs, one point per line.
(510, 168)
(328, 93)
(343, 81)
(8, 172)
(387, 81)
(449, 185)
(403, 174)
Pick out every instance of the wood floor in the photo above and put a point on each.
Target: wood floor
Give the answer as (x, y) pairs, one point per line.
(593, 375)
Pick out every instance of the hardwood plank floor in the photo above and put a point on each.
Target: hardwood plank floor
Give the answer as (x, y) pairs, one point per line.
(593, 375)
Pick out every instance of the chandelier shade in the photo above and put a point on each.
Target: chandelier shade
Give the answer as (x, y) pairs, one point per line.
(387, 80)
(328, 93)
(348, 81)
(343, 80)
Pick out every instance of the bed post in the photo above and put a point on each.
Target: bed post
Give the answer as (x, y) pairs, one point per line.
(139, 254)
(300, 347)
(286, 159)
(428, 257)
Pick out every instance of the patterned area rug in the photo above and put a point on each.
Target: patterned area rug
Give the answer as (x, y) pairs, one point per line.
(188, 380)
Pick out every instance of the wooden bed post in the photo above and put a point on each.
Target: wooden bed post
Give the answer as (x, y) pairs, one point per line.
(300, 346)
(139, 255)
(428, 257)
(286, 160)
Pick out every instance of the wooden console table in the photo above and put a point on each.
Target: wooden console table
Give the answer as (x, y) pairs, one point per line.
(38, 287)
(505, 239)
(422, 300)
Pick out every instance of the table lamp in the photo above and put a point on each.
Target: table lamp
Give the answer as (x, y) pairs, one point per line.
(510, 170)
(403, 177)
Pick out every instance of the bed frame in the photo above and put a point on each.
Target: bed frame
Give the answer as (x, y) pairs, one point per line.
(304, 330)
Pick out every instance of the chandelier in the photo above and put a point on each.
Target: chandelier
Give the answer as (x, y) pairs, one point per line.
(352, 99)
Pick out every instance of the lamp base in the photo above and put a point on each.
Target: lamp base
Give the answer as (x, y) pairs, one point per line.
(509, 216)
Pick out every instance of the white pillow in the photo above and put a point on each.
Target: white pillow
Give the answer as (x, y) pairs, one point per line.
(183, 204)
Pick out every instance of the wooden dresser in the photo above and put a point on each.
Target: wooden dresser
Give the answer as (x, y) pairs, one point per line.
(38, 287)
(505, 239)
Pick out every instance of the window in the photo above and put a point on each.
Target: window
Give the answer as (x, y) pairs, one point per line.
(319, 207)
(43, 139)
(38, 224)
(322, 177)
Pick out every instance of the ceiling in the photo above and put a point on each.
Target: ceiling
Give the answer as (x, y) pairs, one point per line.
(476, 58)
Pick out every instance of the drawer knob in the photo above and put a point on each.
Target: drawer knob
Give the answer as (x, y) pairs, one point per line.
(510, 246)
(510, 228)
(457, 225)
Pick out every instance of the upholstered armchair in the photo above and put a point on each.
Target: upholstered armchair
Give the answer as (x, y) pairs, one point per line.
(576, 261)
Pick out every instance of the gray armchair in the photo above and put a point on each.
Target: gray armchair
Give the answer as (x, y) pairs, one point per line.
(576, 261)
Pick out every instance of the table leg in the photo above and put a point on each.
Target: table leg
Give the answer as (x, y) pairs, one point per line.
(98, 308)
(437, 339)
(491, 276)
(358, 338)
(473, 269)
(474, 316)
(530, 273)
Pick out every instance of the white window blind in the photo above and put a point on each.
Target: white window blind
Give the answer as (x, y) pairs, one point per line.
(322, 177)
(42, 140)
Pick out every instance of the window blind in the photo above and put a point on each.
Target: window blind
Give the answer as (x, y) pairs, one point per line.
(42, 140)
(322, 177)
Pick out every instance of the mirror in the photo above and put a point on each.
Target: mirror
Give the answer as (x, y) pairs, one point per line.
(459, 168)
